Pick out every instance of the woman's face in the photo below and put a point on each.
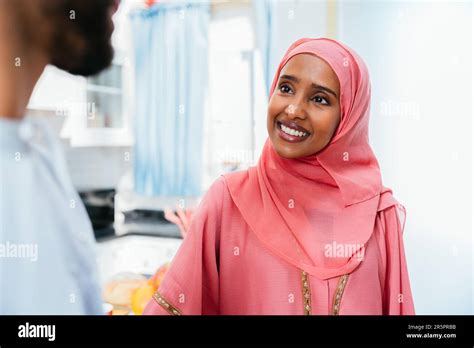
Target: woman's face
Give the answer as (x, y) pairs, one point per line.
(304, 112)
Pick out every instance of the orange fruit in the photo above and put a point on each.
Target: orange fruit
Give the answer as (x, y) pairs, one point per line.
(141, 296)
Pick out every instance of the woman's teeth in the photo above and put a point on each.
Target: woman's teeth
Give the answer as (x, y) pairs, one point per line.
(291, 131)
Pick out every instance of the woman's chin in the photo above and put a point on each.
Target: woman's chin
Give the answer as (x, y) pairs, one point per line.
(287, 151)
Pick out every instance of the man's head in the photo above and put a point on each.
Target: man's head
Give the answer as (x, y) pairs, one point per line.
(74, 35)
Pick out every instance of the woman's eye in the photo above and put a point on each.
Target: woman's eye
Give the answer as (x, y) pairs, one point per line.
(285, 89)
(321, 100)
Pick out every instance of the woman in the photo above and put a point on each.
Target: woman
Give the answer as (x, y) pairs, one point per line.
(310, 229)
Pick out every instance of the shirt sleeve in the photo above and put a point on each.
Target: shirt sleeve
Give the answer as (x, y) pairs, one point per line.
(397, 296)
(191, 285)
(47, 247)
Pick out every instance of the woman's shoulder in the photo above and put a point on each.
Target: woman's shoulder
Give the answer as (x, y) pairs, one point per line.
(391, 214)
(217, 188)
(238, 177)
(216, 204)
(218, 197)
(387, 200)
(215, 194)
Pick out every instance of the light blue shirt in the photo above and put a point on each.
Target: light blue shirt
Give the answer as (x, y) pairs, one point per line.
(47, 247)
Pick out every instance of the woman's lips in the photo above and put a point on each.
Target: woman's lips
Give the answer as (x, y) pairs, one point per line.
(291, 132)
(293, 125)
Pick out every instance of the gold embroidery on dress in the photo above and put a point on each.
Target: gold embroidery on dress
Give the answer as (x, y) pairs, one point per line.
(165, 304)
(338, 294)
(306, 293)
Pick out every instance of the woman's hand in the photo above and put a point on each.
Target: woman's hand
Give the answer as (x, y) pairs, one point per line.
(182, 218)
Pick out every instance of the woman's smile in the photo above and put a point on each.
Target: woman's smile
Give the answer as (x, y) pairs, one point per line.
(291, 132)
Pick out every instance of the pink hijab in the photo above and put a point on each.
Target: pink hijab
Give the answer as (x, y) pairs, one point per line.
(318, 212)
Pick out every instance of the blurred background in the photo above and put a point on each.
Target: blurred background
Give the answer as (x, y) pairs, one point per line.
(185, 101)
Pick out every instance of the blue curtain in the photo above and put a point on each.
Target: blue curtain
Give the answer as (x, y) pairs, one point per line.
(265, 12)
(171, 59)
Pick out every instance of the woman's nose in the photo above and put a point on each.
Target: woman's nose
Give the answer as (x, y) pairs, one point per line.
(295, 110)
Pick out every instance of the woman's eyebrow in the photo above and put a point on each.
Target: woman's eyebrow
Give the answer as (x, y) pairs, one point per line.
(316, 86)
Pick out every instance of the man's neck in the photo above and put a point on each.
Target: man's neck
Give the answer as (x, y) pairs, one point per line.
(20, 68)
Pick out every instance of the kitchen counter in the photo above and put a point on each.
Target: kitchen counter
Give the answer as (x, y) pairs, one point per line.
(136, 253)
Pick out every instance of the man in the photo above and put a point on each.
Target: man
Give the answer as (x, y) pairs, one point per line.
(47, 261)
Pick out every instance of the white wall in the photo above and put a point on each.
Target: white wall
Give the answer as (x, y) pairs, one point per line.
(227, 127)
(420, 59)
(295, 19)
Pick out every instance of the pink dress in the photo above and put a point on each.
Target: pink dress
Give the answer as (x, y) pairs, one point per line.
(222, 268)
